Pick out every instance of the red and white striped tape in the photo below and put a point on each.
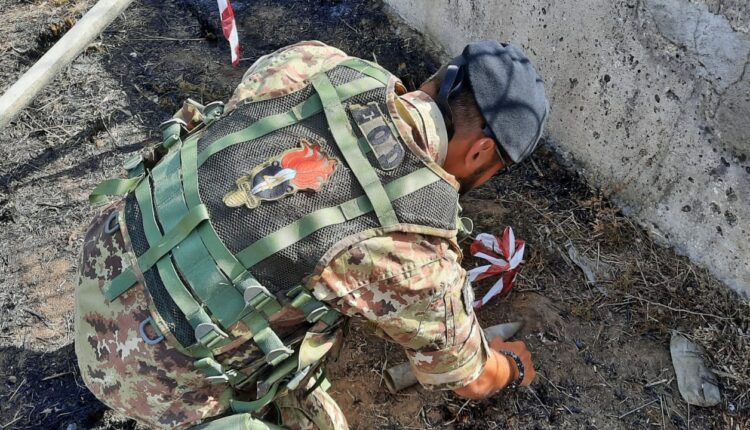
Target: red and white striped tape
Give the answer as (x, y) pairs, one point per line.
(229, 27)
(504, 256)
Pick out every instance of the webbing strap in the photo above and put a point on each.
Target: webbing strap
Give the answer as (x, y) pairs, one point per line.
(326, 217)
(314, 309)
(181, 230)
(261, 305)
(218, 374)
(302, 111)
(112, 187)
(367, 68)
(192, 258)
(255, 405)
(219, 252)
(338, 122)
(193, 312)
(267, 340)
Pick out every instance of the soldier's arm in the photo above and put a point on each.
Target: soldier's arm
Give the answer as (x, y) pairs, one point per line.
(411, 287)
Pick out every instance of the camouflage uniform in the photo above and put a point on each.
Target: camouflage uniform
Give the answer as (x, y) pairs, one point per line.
(409, 285)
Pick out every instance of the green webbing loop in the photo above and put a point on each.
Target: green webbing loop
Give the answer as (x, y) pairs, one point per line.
(209, 367)
(171, 130)
(255, 405)
(184, 227)
(267, 340)
(338, 122)
(313, 309)
(134, 166)
(216, 374)
(272, 123)
(367, 68)
(314, 221)
(112, 187)
(219, 252)
(194, 313)
(193, 260)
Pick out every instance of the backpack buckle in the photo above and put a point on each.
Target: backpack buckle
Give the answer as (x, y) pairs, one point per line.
(293, 383)
(258, 298)
(212, 112)
(209, 334)
(171, 130)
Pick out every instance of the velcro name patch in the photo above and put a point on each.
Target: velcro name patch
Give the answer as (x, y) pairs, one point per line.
(385, 146)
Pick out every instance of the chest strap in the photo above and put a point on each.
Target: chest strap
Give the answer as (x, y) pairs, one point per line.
(314, 221)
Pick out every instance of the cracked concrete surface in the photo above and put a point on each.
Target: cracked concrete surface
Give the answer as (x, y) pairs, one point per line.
(650, 101)
(721, 51)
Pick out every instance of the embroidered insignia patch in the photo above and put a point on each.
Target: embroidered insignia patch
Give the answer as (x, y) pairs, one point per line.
(298, 169)
(371, 121)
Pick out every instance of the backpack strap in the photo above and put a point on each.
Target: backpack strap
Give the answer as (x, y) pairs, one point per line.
(314, 221)
(112, 187)
(304, 110)
(338, 122)
(367, 68)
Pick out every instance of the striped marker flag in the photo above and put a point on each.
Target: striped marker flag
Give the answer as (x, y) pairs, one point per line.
(229, 28)
(504, 255)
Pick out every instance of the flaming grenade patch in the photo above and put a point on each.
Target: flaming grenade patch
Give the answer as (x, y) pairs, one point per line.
(303, 168)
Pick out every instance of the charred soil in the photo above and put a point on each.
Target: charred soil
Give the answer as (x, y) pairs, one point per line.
(602, 349)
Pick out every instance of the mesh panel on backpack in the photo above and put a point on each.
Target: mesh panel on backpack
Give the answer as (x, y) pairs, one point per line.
(433, 206)
(170, 313)
(248, 113)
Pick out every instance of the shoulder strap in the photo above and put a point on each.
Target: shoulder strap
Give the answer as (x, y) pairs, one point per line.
(341, 129)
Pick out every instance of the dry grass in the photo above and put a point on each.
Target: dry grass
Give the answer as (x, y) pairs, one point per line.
(660, 290)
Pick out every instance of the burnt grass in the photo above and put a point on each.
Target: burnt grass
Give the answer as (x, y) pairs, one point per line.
(601, 348)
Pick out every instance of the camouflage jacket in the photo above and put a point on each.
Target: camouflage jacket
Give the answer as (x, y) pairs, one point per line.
(409, 286)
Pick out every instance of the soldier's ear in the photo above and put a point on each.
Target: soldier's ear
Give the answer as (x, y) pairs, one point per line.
(481, 152)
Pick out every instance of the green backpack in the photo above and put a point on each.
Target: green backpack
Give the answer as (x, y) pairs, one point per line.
(223, 222)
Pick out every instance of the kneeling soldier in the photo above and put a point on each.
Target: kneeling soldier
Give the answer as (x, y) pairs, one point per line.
(219, 284)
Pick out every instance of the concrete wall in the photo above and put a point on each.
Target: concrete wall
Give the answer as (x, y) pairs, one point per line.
(650, 99)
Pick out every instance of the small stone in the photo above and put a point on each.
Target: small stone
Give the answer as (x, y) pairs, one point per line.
(12, 379)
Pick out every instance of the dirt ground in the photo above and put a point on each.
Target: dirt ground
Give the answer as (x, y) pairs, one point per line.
(601, 349)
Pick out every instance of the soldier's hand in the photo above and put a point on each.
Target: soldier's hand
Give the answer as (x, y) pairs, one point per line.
(518, 348)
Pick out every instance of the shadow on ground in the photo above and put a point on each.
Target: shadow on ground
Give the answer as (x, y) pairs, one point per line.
(44, 390)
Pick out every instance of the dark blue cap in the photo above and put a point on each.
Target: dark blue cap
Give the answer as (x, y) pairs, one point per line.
(509, 92)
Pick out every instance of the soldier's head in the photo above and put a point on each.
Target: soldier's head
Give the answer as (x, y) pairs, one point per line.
(494, 106)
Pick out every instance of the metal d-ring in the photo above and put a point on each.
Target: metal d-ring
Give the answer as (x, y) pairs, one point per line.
(144, 336)
(112, 224)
